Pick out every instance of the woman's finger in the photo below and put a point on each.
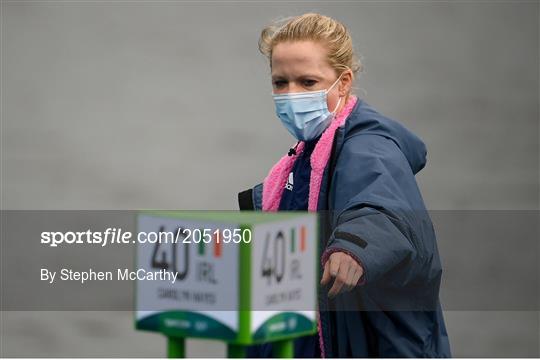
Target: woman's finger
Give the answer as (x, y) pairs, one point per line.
(350, 284)
(356, 277)
(326, 273)
(340, 279)
(334, 260)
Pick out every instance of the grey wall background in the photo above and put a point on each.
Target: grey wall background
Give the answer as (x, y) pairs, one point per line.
(128, 105)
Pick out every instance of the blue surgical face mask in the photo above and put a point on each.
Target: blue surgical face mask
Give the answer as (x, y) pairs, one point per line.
(305, 114)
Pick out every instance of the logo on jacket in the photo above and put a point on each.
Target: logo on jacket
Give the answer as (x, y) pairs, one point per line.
(290, 182)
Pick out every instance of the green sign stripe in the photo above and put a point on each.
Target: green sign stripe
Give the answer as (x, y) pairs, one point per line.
(201, 248)
(244, 331)
(293, 239)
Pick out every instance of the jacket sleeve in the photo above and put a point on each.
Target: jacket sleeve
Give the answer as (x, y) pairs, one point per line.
(251, 199)
(373, 191)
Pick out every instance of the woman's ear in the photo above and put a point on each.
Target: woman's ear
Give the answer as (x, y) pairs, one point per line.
(345, 83)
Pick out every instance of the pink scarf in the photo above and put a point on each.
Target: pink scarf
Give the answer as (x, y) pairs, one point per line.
(275, 181)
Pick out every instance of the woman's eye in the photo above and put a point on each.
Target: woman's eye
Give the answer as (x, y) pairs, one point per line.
(309, 83)
(279, 83)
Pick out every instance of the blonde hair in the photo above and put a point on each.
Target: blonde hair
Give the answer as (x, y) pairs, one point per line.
(316, 27)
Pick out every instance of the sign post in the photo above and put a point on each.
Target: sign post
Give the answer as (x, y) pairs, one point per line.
(176, 347)
(240, 277)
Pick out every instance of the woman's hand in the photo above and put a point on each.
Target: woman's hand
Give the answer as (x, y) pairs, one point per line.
(344, 269)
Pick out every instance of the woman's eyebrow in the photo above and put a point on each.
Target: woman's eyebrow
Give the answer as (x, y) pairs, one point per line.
(303, 76)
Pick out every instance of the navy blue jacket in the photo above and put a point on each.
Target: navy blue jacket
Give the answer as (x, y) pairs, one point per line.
(377, 214)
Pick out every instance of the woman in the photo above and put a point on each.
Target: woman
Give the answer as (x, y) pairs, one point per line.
(380, 266)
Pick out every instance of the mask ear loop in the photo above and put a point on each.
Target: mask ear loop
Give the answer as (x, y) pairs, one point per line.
(335, 82)
(337, 105)
(327, 91)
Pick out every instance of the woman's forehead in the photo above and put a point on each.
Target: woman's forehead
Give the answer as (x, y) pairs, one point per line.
(300, 57)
